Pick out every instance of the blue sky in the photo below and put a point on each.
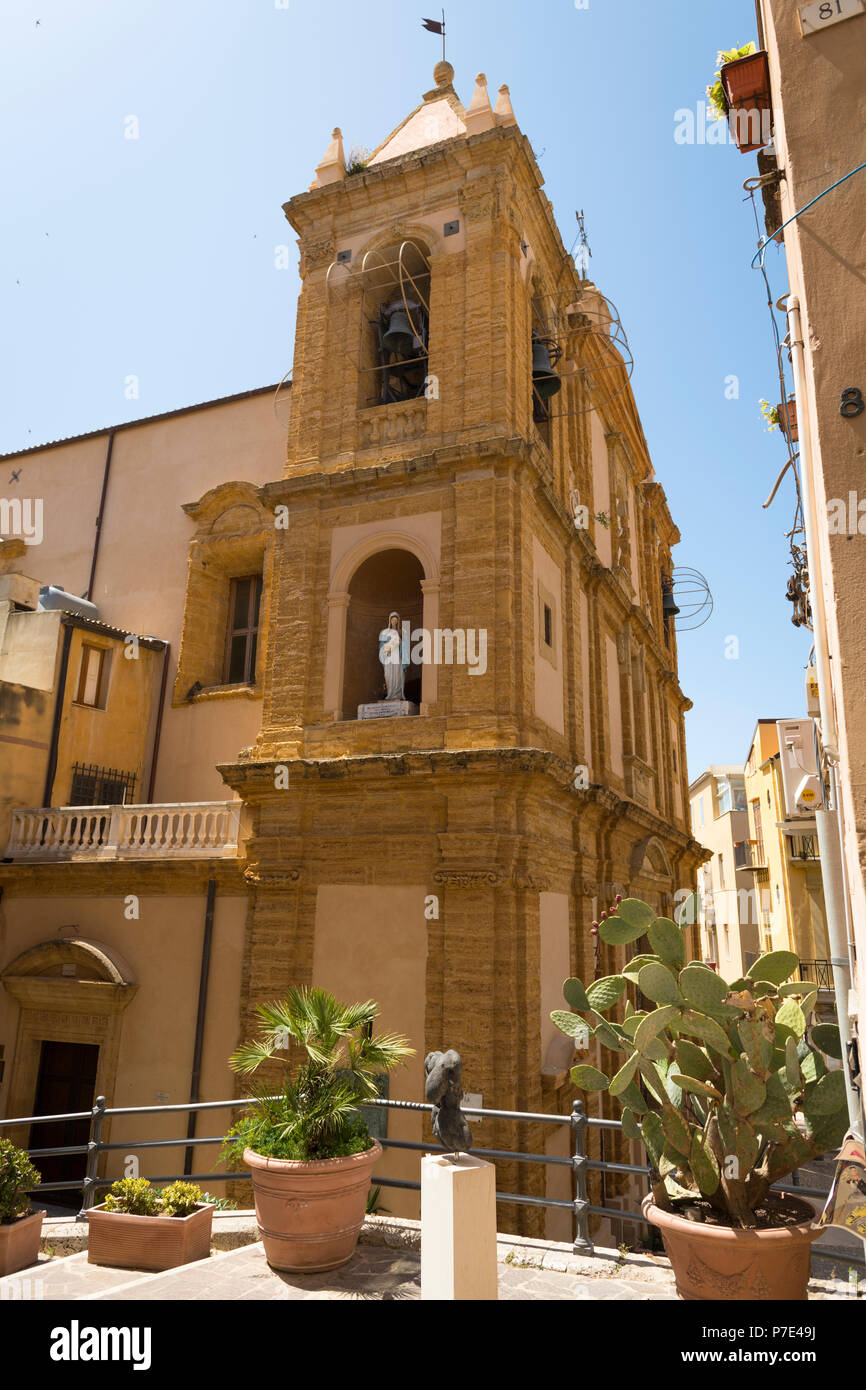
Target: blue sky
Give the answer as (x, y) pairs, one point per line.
(155, 256)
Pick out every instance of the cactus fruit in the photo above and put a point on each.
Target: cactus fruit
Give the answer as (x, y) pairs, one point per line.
(708, 1072)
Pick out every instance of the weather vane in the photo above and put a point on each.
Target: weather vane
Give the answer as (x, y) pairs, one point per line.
(433, 26)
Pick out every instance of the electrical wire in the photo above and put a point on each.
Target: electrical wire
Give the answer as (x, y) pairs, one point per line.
(799, 579)
(765, 241)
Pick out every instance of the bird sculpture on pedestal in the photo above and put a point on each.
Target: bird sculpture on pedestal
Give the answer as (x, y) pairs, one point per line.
(444, 1090)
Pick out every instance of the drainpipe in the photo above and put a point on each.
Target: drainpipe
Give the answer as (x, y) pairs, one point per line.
(51, 766)
(166, 649)
(829, 818)
(105, 473)
(195, 1080)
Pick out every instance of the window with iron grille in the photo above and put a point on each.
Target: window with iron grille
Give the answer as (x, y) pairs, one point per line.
(100, 786)
(243, 630)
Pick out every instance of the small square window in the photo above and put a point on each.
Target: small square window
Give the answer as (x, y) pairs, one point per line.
(548, 625)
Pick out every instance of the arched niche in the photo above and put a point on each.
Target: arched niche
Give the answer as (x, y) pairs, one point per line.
(388, 581)
(391, 570)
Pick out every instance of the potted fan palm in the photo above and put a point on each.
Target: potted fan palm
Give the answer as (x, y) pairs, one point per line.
(729, 1090)
(308, 1147)
(20, 1222)
(143, 1227)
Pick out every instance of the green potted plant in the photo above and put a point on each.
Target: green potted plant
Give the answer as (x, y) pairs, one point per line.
(740, 92)
(729, 1090)
(308, 1148)
(142, 1227)
(20, 1222)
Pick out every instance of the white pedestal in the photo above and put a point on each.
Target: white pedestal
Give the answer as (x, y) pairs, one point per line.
(387, 709)
(458, 1228)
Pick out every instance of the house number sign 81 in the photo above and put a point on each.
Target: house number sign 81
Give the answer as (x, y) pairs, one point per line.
(818, 16)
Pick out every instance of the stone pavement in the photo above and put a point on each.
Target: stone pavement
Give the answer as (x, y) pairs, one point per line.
(386, 1267)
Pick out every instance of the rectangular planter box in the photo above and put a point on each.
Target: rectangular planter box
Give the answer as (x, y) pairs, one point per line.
(148, 1242)
(783, 425)
(746, 84)
(19, 1242)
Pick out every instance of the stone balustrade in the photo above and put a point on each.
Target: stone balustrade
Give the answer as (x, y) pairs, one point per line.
(178, 830)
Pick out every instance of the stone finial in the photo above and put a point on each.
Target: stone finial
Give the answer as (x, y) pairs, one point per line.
(443, 74)
(479, 115)
(333, 166)
(503, 110)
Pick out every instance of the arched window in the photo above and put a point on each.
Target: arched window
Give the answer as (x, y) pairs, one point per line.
(395, 323)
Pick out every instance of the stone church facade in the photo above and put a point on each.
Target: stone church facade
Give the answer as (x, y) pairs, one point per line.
(464, 450)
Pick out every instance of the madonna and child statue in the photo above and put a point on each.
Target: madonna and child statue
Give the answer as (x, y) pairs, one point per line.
(394, 659)
(394, 656)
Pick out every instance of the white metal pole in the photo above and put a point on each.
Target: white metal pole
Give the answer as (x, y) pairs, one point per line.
(829, 820)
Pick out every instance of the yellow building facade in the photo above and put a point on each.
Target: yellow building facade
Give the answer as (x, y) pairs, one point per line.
(448, 862)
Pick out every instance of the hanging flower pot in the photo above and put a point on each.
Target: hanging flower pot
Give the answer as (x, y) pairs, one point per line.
(746, 87)
(788, 423)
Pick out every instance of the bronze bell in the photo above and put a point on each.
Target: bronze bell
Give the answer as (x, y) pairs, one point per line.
(399, 337)
(669, 607)
(544, 378)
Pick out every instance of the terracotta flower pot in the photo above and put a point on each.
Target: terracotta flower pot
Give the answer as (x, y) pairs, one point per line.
(746, 84)
(310, 1214)
(19, 1242)
(718, 1262)
(792, 416)
(148, 1242)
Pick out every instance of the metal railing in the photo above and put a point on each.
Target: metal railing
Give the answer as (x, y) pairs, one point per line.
(817, 972)
(577, 1162)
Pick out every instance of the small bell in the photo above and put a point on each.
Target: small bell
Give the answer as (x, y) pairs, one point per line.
(544, 378)
(669, 607)
(399, 337)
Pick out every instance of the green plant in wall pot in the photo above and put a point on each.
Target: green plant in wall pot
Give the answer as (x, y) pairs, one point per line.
(728, 1089)
(716, 92)
(770, 414)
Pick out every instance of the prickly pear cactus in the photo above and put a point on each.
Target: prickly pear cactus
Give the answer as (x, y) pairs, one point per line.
(726, 1085)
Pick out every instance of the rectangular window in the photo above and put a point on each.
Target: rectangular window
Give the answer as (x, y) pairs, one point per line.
(243, 630)
(723, 788)
(548, 626)
(92, 682)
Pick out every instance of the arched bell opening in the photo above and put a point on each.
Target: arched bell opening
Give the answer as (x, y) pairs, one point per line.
(395, 323)
(387, 582)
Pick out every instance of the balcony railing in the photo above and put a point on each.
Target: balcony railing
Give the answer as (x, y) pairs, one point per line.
(750, 854)
(817, 972)
(804, 849)
(178, 830)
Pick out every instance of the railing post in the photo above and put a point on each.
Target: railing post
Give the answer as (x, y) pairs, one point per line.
(582, 1243)
(94, 1145)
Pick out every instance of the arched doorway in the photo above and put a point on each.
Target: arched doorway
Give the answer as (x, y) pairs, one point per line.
(71, 994)
(388, 581)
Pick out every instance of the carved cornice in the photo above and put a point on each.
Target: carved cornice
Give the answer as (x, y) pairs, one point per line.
(536, 883)
(468, 878)
(283, 878)
(316, 252)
